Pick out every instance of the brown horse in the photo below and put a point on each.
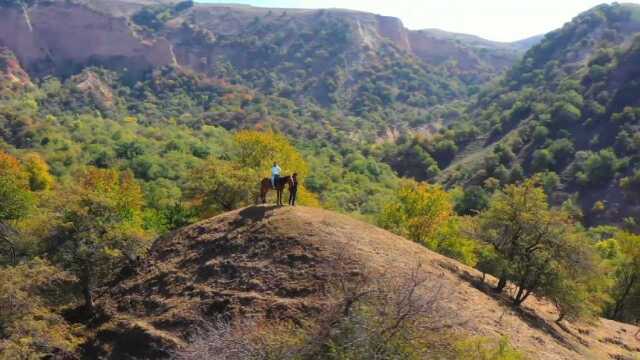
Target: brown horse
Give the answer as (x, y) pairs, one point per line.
(265, 186)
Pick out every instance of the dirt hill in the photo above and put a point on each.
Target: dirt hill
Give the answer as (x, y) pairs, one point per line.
(275, 262)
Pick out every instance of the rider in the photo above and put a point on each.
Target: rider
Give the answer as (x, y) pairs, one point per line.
(275, 174)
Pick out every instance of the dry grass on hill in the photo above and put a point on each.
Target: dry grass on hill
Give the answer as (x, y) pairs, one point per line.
(276, 263)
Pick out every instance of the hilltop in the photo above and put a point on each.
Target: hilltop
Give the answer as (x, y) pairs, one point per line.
(277, 263)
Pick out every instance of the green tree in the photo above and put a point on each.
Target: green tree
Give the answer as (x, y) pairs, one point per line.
(622, 253)
(474, 199)
(542, 160)
(599, 168)
(530, 237)
(578, 286)
(631, 185)
(549, 180)
(566, 113)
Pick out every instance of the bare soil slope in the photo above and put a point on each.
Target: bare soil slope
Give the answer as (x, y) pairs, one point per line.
(275, 262)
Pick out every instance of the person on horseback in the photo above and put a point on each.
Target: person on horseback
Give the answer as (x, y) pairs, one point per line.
(275, 174)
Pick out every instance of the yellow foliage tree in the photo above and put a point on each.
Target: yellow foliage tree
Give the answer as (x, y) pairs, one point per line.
(424, 213)
(258, 151)
(38, 170)
(16, 201)
(418, 211)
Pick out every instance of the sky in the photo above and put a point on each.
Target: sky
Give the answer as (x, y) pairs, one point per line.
(498, 20)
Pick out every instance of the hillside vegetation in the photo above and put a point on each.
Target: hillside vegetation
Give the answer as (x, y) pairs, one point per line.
(568, 111)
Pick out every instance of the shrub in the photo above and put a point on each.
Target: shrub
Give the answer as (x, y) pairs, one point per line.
(599, 168)
(542, 160)
(474, 199)
(479, 348)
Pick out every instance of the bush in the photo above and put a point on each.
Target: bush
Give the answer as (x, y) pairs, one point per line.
(599, 168)
(540, 134)
(479, 348)
(566, 113)
(474, 199)
(542, 160)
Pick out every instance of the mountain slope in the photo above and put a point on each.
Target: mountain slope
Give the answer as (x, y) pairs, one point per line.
(474, 58)
(278, 262)
(570, 108)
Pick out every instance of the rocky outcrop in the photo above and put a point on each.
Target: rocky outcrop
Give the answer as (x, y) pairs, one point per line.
(10, 70)
(62, 37)
(88, 82)
(392, 28)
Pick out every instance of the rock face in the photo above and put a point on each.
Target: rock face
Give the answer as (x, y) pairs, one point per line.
(89, 82)
(61, 37)
(277, 262)
(10, 69)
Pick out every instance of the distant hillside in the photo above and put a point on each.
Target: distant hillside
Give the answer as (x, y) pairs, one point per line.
(359, 63)
(569, 109)
(527, 43)
(279, 262)
(475, 59)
